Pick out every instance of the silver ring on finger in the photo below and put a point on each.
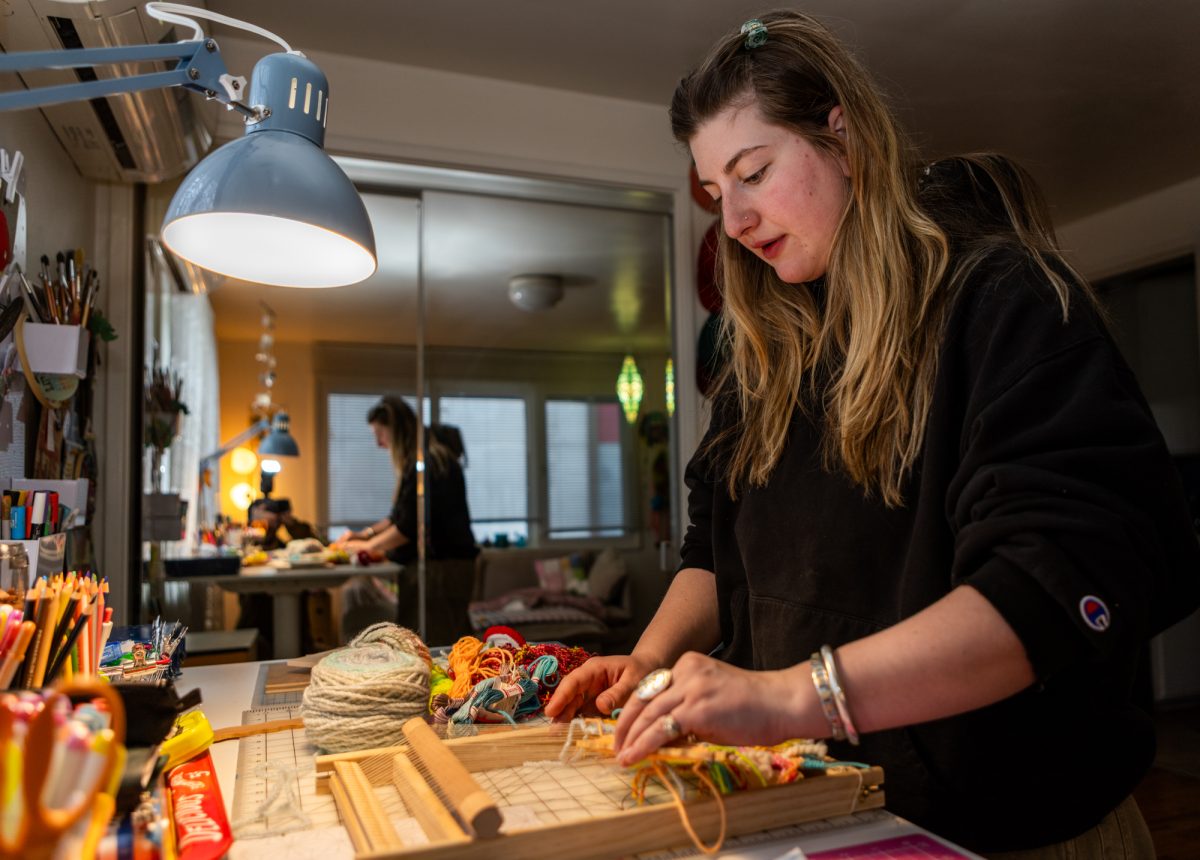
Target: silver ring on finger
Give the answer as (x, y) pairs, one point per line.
(653, 684)
(670, 727)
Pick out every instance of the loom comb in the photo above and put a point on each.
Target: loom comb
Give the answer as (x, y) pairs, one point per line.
(442, 769)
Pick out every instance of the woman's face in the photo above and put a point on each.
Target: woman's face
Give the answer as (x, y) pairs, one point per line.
(383, 435)
(780, 196)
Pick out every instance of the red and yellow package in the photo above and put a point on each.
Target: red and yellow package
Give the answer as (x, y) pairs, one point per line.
(197, 811)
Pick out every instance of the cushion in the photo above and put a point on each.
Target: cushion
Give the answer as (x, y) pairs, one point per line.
(551, 574)
(481, 619)
(606, 576)
(576, 575)
(565, 573)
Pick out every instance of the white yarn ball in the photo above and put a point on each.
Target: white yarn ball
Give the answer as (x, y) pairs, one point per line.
(360, 696)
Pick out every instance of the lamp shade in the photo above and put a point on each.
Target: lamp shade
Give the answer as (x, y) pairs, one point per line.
(272, 207)
(279, 442)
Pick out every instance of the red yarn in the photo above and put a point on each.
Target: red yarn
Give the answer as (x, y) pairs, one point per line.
(569, 659)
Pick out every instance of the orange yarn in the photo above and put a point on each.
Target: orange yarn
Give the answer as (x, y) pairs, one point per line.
(469, 664)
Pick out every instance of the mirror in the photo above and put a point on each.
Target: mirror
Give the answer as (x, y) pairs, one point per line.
(549, 462)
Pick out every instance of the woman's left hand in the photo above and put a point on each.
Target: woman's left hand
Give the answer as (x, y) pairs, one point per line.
(715, 702)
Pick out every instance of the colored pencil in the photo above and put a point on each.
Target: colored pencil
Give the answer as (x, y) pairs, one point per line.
(9, 668)
(80, 625)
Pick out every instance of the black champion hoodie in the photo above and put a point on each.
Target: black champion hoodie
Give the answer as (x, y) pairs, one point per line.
(1045, 484)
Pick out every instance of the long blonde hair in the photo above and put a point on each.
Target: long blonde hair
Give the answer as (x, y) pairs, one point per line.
(398, 417)
(865, 356)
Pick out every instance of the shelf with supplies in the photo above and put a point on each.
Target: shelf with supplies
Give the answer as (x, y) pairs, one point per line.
(36, 517)
(44, 556)
(70, 498)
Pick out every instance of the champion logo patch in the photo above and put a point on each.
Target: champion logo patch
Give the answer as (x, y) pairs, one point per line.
(1095, 613)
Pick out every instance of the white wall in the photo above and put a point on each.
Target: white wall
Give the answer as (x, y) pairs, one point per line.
(60, 208)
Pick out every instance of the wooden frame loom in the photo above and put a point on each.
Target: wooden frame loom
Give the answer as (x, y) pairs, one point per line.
(434, 779)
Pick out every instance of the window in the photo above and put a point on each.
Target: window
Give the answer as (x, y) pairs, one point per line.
(578, 477)
(584, 473)
(497, 472)
(360, 477)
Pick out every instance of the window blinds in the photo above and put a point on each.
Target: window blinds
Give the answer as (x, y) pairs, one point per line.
(585, 480)
(360, 475)
(497, 473)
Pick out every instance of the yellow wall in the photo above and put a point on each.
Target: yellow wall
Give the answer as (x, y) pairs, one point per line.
(295, 392)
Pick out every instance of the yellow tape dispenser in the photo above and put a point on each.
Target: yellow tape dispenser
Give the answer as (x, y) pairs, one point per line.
(192, 736)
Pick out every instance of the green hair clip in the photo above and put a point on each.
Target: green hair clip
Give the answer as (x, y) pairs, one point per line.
(755, 32)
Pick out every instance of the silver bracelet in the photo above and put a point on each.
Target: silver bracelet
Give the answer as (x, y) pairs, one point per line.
(839, 695)
(369, 531)
(825, 694)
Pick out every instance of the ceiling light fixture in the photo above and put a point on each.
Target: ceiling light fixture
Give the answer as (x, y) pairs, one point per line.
(535, 293)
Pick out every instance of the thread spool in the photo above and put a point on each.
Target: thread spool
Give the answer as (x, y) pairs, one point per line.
(360, 696)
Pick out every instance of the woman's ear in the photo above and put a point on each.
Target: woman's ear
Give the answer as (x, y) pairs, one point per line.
(837, 121)
(837, 124)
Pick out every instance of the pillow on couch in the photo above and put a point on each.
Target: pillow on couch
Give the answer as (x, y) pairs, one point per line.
(550, 574)
(606, 576)
(562, 574)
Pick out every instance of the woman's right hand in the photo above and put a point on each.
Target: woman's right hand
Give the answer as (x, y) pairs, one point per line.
(347, 537)
(602, 682)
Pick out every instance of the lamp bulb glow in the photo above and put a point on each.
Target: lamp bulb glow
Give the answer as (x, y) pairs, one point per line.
(241, 495)
(243, 461)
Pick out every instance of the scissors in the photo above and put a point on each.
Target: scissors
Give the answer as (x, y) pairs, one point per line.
(39, 827)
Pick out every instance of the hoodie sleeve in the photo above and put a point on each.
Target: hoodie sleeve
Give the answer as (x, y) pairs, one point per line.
(1068, 512)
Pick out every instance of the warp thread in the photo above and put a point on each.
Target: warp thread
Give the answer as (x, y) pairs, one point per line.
(360, 696)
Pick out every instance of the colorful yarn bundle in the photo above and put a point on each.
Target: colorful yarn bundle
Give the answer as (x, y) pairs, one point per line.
(360, 695)
(566, 660)
(470, 662)
(502, 683)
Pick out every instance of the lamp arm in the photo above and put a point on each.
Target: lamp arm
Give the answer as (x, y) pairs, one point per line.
(200, 69)
(247, 434)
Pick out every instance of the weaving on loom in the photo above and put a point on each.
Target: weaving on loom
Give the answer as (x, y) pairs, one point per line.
(511, 791)
(522, 788)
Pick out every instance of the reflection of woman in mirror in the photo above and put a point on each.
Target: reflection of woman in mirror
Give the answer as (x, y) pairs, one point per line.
(450, 545)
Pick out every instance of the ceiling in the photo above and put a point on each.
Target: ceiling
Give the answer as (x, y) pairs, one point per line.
(1100, 100)
(611, 262)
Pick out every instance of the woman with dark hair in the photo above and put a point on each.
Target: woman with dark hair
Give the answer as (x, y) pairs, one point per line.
(450, 547)
(932, 514)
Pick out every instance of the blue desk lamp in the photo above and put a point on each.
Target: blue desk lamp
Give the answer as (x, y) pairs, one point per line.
(271, 207)
(278, 442)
